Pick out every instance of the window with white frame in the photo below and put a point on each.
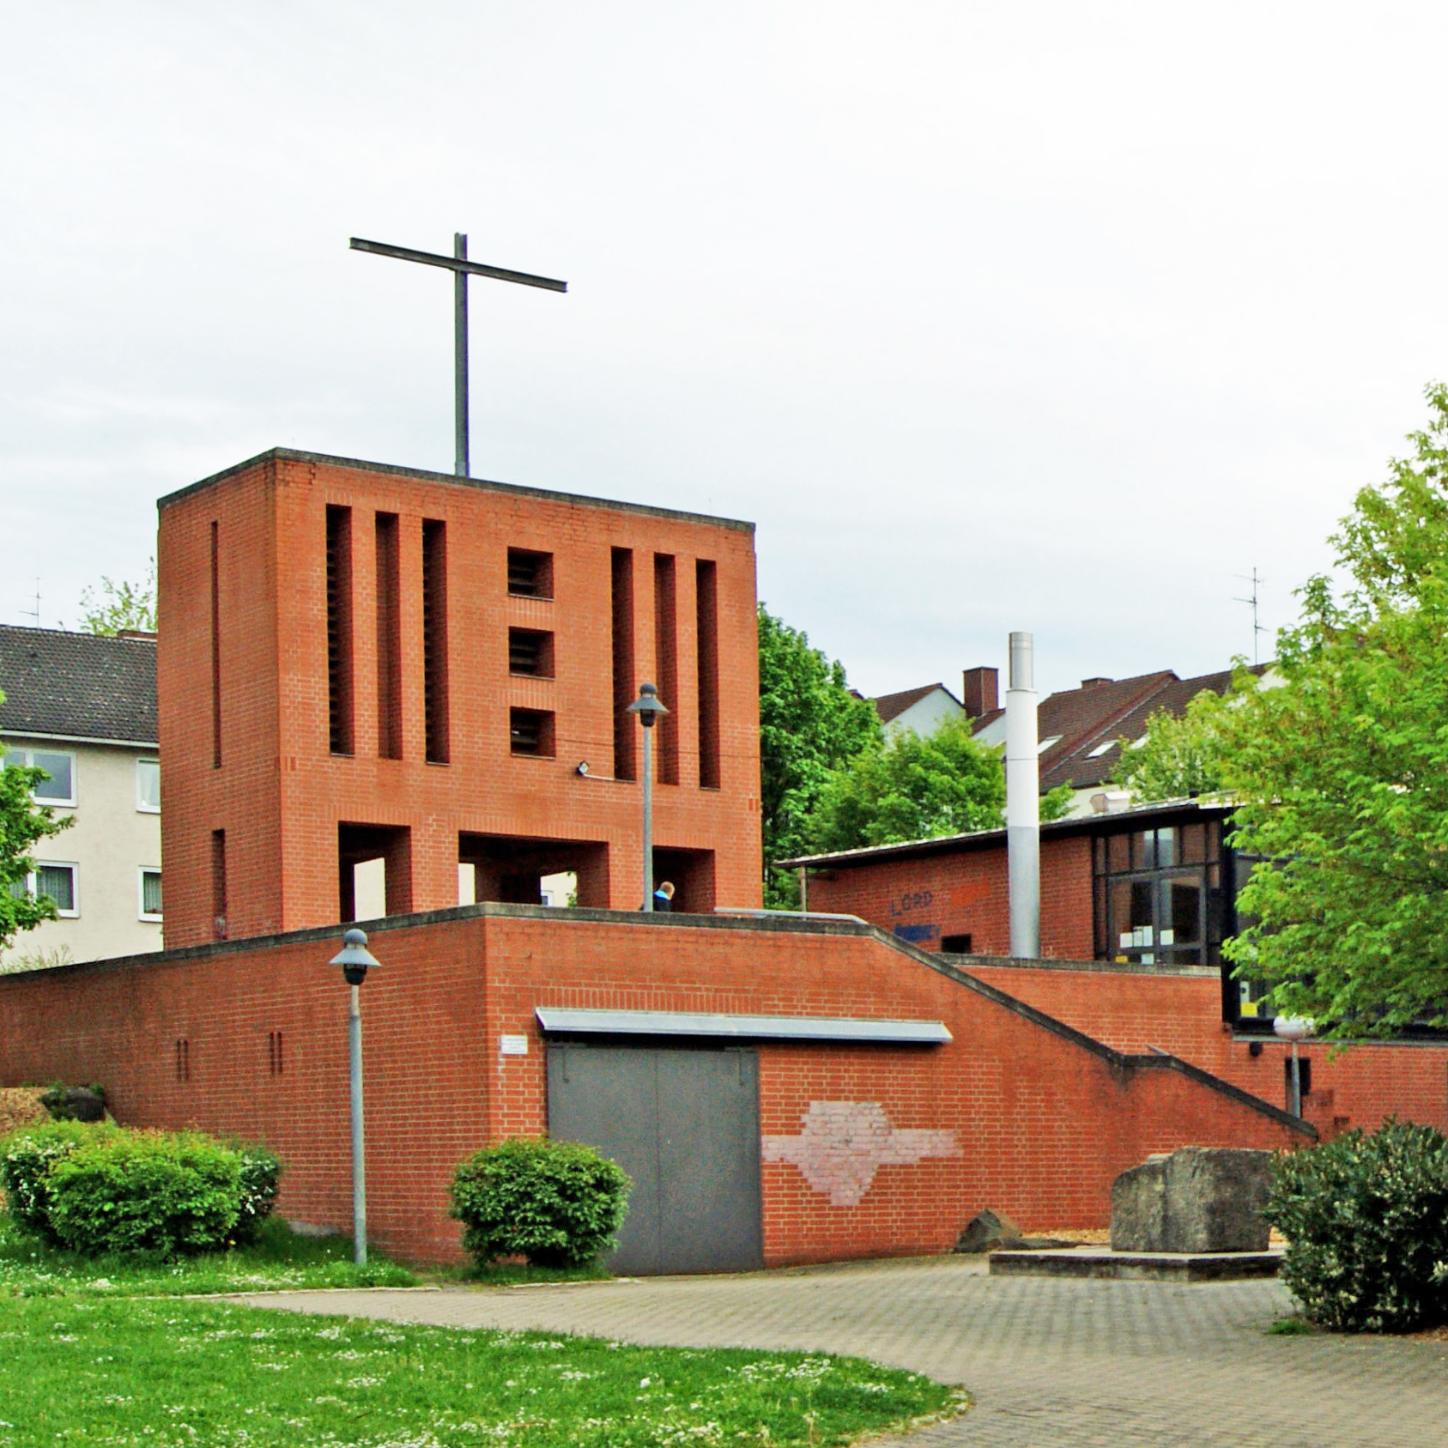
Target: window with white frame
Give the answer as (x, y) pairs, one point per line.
(59, 765)
(59, 880)
(148, 785)
(149, 898)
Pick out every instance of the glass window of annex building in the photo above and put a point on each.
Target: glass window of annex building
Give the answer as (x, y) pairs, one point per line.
(1165, 896)
(1158, 895)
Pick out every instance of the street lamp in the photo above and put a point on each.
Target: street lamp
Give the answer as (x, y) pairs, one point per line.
(355, 958)
(650, 711)
(1294, 1029)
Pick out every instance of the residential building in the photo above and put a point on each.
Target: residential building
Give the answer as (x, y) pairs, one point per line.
(921, 710)
(83, 708)
(1081, 729)
(925, 708)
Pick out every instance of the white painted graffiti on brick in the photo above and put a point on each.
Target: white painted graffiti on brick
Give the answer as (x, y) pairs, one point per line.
(844, 1143)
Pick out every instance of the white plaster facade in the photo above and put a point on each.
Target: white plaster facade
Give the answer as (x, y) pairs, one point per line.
(926, 715)
(115, 836)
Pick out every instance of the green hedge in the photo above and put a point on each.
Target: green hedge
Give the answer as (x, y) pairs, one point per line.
(557, 1203)
(145, 1193)
(26, 1157)
(1366, 1221)
(102, 1188)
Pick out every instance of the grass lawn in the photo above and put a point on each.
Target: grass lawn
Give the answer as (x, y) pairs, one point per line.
(28, 1268)
(118, 1351)
(166, 1372)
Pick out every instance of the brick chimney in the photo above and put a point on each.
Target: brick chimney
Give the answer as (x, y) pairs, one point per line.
(1096, 683)
(980, 691)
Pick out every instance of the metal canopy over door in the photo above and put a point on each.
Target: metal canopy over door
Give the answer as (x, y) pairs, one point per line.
(684, 1124)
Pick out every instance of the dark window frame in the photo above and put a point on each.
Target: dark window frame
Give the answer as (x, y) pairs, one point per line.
(1149, 859)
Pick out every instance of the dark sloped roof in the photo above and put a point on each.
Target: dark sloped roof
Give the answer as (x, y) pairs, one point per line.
(892, 706)
(1084, 716)
(79, 685)
(1079, 769)
(1103, 713)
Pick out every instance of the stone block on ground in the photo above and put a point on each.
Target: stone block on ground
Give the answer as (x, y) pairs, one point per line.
(1198, 1199)
(986, 1231)
(74, 1103)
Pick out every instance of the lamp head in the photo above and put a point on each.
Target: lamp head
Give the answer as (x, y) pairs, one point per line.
(647, 706)
(1292, 1028)
(354, 957)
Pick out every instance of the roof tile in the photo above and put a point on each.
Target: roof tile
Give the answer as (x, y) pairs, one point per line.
(80, 685)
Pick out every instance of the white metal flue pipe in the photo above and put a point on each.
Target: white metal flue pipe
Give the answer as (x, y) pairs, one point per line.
(1023, 800)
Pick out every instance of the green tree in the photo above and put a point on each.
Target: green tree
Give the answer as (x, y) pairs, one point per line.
(810, 723)
(915, 787)
(23, 824)
(1180, 754)
(122, 605)
(918, 787)
(1341, 774)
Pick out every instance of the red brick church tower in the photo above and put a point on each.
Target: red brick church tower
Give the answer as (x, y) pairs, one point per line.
(364, 663)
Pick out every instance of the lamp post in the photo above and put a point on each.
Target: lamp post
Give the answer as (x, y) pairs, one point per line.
(650, 711)
(1294, 1029)
(355, 958)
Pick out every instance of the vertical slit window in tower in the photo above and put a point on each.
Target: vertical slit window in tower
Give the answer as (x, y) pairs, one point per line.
(389, 640)
(624, 683)
(339, 628)
(218, 884)
(215, 649)
(434, 638)
(666, 663)
(706, 595)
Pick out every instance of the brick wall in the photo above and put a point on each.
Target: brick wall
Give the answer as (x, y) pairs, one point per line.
(869, 1149)
(280, 792)
(1181, 1013)
(925, 897)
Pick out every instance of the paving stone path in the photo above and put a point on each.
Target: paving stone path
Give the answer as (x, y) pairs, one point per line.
(1049, 1362)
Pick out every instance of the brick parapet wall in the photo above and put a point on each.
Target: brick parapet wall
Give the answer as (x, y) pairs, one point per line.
(1013, 1113)
(1180, 1012)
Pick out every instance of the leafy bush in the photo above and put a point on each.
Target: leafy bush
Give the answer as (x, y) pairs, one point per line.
(557, 1203)
(260, 1176)
(145, 1192)
(1366, 1219)
(102, 1188)
(26, 1158)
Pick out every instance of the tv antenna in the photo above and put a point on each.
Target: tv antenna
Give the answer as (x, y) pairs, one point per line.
(34, 612)
(1254, 600)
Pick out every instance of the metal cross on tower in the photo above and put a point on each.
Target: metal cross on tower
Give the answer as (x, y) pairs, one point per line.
(461, 269)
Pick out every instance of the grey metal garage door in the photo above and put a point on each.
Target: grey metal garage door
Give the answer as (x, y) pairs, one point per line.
(684, 1124)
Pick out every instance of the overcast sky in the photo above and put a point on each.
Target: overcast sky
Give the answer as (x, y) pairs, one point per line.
(1054, 316)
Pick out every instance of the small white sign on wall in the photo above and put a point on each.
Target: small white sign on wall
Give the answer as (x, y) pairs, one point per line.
(512, 1045)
